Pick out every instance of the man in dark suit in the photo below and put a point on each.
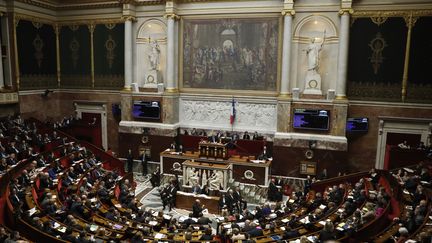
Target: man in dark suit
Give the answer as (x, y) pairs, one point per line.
(197, 209)
(143, 158)
(246, 136)
(173, 195)
(14, 199)
(155, 178)
(223, 202)
(129, 159)
(272, 190)
(241, 204)
(231, 200)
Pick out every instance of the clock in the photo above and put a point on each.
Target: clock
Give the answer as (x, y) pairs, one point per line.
(313, 83)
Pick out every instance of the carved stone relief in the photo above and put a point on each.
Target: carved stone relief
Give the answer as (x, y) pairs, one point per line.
(217, 113)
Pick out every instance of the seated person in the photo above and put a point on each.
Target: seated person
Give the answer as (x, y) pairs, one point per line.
(196, 189)
(265, 155)
(197, 209)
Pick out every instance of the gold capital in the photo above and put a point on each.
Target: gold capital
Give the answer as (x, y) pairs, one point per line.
(91, 27)
(172, 16)
(129, 18)
(410, 20)
(342, 11)
(288, 12)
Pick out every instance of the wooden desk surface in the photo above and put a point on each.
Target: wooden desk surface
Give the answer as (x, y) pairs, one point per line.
(233, 160)
(185, 201)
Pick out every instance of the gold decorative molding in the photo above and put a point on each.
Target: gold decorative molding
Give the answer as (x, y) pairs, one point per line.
(343, 11)
(91, 28)
(33, 19)
(341, 97)
(392, 13)
(74, 27)
(410, 20)
(171, 90)
(288, 12)
(379, 20)
(110, 26)
(69, 5)
(69, 22)
(37, 25)
(129, 18)
(171, 16)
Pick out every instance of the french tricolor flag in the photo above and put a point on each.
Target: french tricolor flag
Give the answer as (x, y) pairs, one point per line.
(233, 112)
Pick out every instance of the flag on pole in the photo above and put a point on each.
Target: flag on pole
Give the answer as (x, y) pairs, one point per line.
(233, 112)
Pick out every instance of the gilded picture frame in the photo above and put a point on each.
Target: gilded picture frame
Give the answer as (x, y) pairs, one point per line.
(232, 61)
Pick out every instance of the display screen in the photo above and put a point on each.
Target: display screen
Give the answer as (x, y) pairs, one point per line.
(146, 109)
(311, 119)
(357, 124)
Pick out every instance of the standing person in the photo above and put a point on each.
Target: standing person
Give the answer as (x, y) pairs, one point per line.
(155, 177)
(144, 163)
(129, 158)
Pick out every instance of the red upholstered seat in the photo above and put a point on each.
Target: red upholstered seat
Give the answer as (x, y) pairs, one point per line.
(59, 185)
(395, 209)
(117, 192)
(37, 183)
(35, 196)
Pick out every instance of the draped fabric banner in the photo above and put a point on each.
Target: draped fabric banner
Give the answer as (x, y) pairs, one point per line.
(109, 55)
(419, 76)
(37, 57)
(376, 58)
(75, 56)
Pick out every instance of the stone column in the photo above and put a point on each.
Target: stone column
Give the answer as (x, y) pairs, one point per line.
(343, 54)
(286, 52)
(128, 54)
(171, 57)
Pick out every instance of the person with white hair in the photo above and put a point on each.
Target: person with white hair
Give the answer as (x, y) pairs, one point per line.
(403, 235)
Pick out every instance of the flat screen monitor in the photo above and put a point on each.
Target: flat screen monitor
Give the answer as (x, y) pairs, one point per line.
(311, 119)
(357, 124)
(146, 109)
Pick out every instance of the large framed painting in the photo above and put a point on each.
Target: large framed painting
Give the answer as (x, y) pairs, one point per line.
(230, 53)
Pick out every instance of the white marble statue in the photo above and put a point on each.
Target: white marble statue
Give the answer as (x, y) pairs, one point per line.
(313, 50)
(154, 55)
(216, 180)
(193, 176)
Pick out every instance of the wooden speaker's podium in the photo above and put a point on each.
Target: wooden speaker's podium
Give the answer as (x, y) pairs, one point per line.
(212, 150)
